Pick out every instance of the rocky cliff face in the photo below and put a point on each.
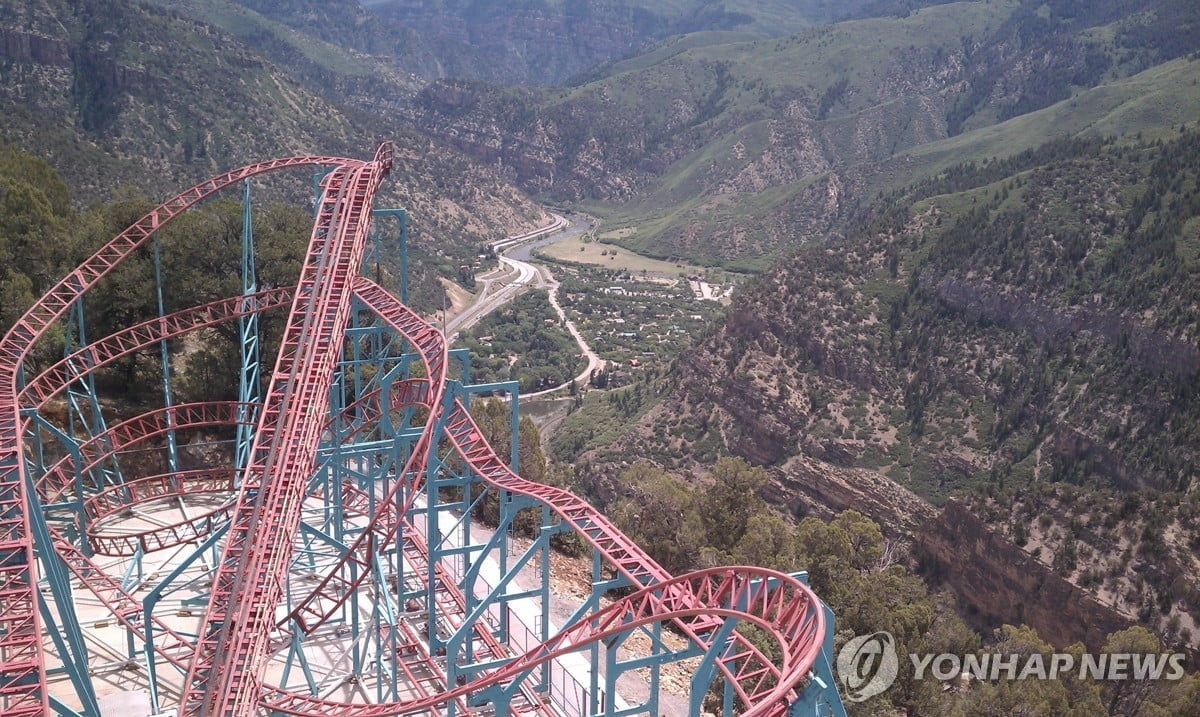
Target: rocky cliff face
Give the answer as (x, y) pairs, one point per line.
(20, 47)
(1132, 551)
(1000, 583)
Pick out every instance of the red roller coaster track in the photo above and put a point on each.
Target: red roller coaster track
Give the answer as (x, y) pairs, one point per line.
(225, 664)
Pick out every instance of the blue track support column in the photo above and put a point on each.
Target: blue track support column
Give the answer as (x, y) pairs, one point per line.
(150, 602)
(318, 174)
(249, 384)
(75, 503)
(612, 647)
(434, 480)
(511, 387)
(707, 669)
(65, 630)
(404, 256)
(514, 438)
(821, 698)
(354, 341)
(515, 433)
(34, 434)
(402, 215)
(463, 357)
(82, 390)
(165, 359)
(546, 532)
(595, 702)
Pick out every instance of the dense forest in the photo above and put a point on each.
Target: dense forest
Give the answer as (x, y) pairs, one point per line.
(524, 342)
(43, 236)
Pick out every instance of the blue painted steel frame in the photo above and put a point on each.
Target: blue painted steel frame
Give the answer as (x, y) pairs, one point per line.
(249, 383)
(376, 359)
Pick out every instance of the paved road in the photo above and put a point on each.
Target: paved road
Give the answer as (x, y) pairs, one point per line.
(517, 272)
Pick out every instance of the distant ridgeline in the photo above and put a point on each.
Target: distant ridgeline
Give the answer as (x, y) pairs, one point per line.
(1012, 319)
(731, 149)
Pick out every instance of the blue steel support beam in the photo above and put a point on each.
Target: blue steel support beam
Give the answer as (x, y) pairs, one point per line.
(64, 711)
(34, 434)
(456, 388)
(595, 703)
(463, 356)
(402, 215)
(71, 445)
(165, 363)
(434, 469)
(820, 698)
(544, 536)
(498, 595)
(151, 601)
(70, 642)
(64, 630)
(296, 656)
(249, 383)
(706, 670)
(612, 646)
(83, 389)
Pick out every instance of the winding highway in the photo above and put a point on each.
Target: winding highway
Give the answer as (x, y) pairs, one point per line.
(501, 286)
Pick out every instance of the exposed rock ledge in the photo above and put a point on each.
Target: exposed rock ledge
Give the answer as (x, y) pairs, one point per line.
(998, 583)
(807, 485)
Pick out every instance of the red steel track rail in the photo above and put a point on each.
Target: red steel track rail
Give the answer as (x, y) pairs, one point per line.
(333, 590)
(232, 650)
(239, 631)
(22, 659)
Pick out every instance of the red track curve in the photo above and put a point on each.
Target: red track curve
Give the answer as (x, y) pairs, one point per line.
(22, 659)
(224, 669)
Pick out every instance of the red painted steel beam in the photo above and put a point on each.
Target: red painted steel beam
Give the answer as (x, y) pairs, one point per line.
(131, 494)
(22, 659)
(712, 595)
(60, 476)
(97, 354)
(232, 651)
(333, 590)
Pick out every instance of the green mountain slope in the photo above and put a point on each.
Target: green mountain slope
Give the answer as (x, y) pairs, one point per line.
(335, 49)
(1022, 331)
(1150, 104)
(119, 93)
(726, 152)
(546, 43)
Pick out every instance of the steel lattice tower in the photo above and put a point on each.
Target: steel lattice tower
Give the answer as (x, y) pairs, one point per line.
(319, 555)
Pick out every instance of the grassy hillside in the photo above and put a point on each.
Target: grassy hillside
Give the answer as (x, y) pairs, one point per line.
(330, 52)
(873, 125)
(727, 152)
(1150, 104)
(549, 43)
